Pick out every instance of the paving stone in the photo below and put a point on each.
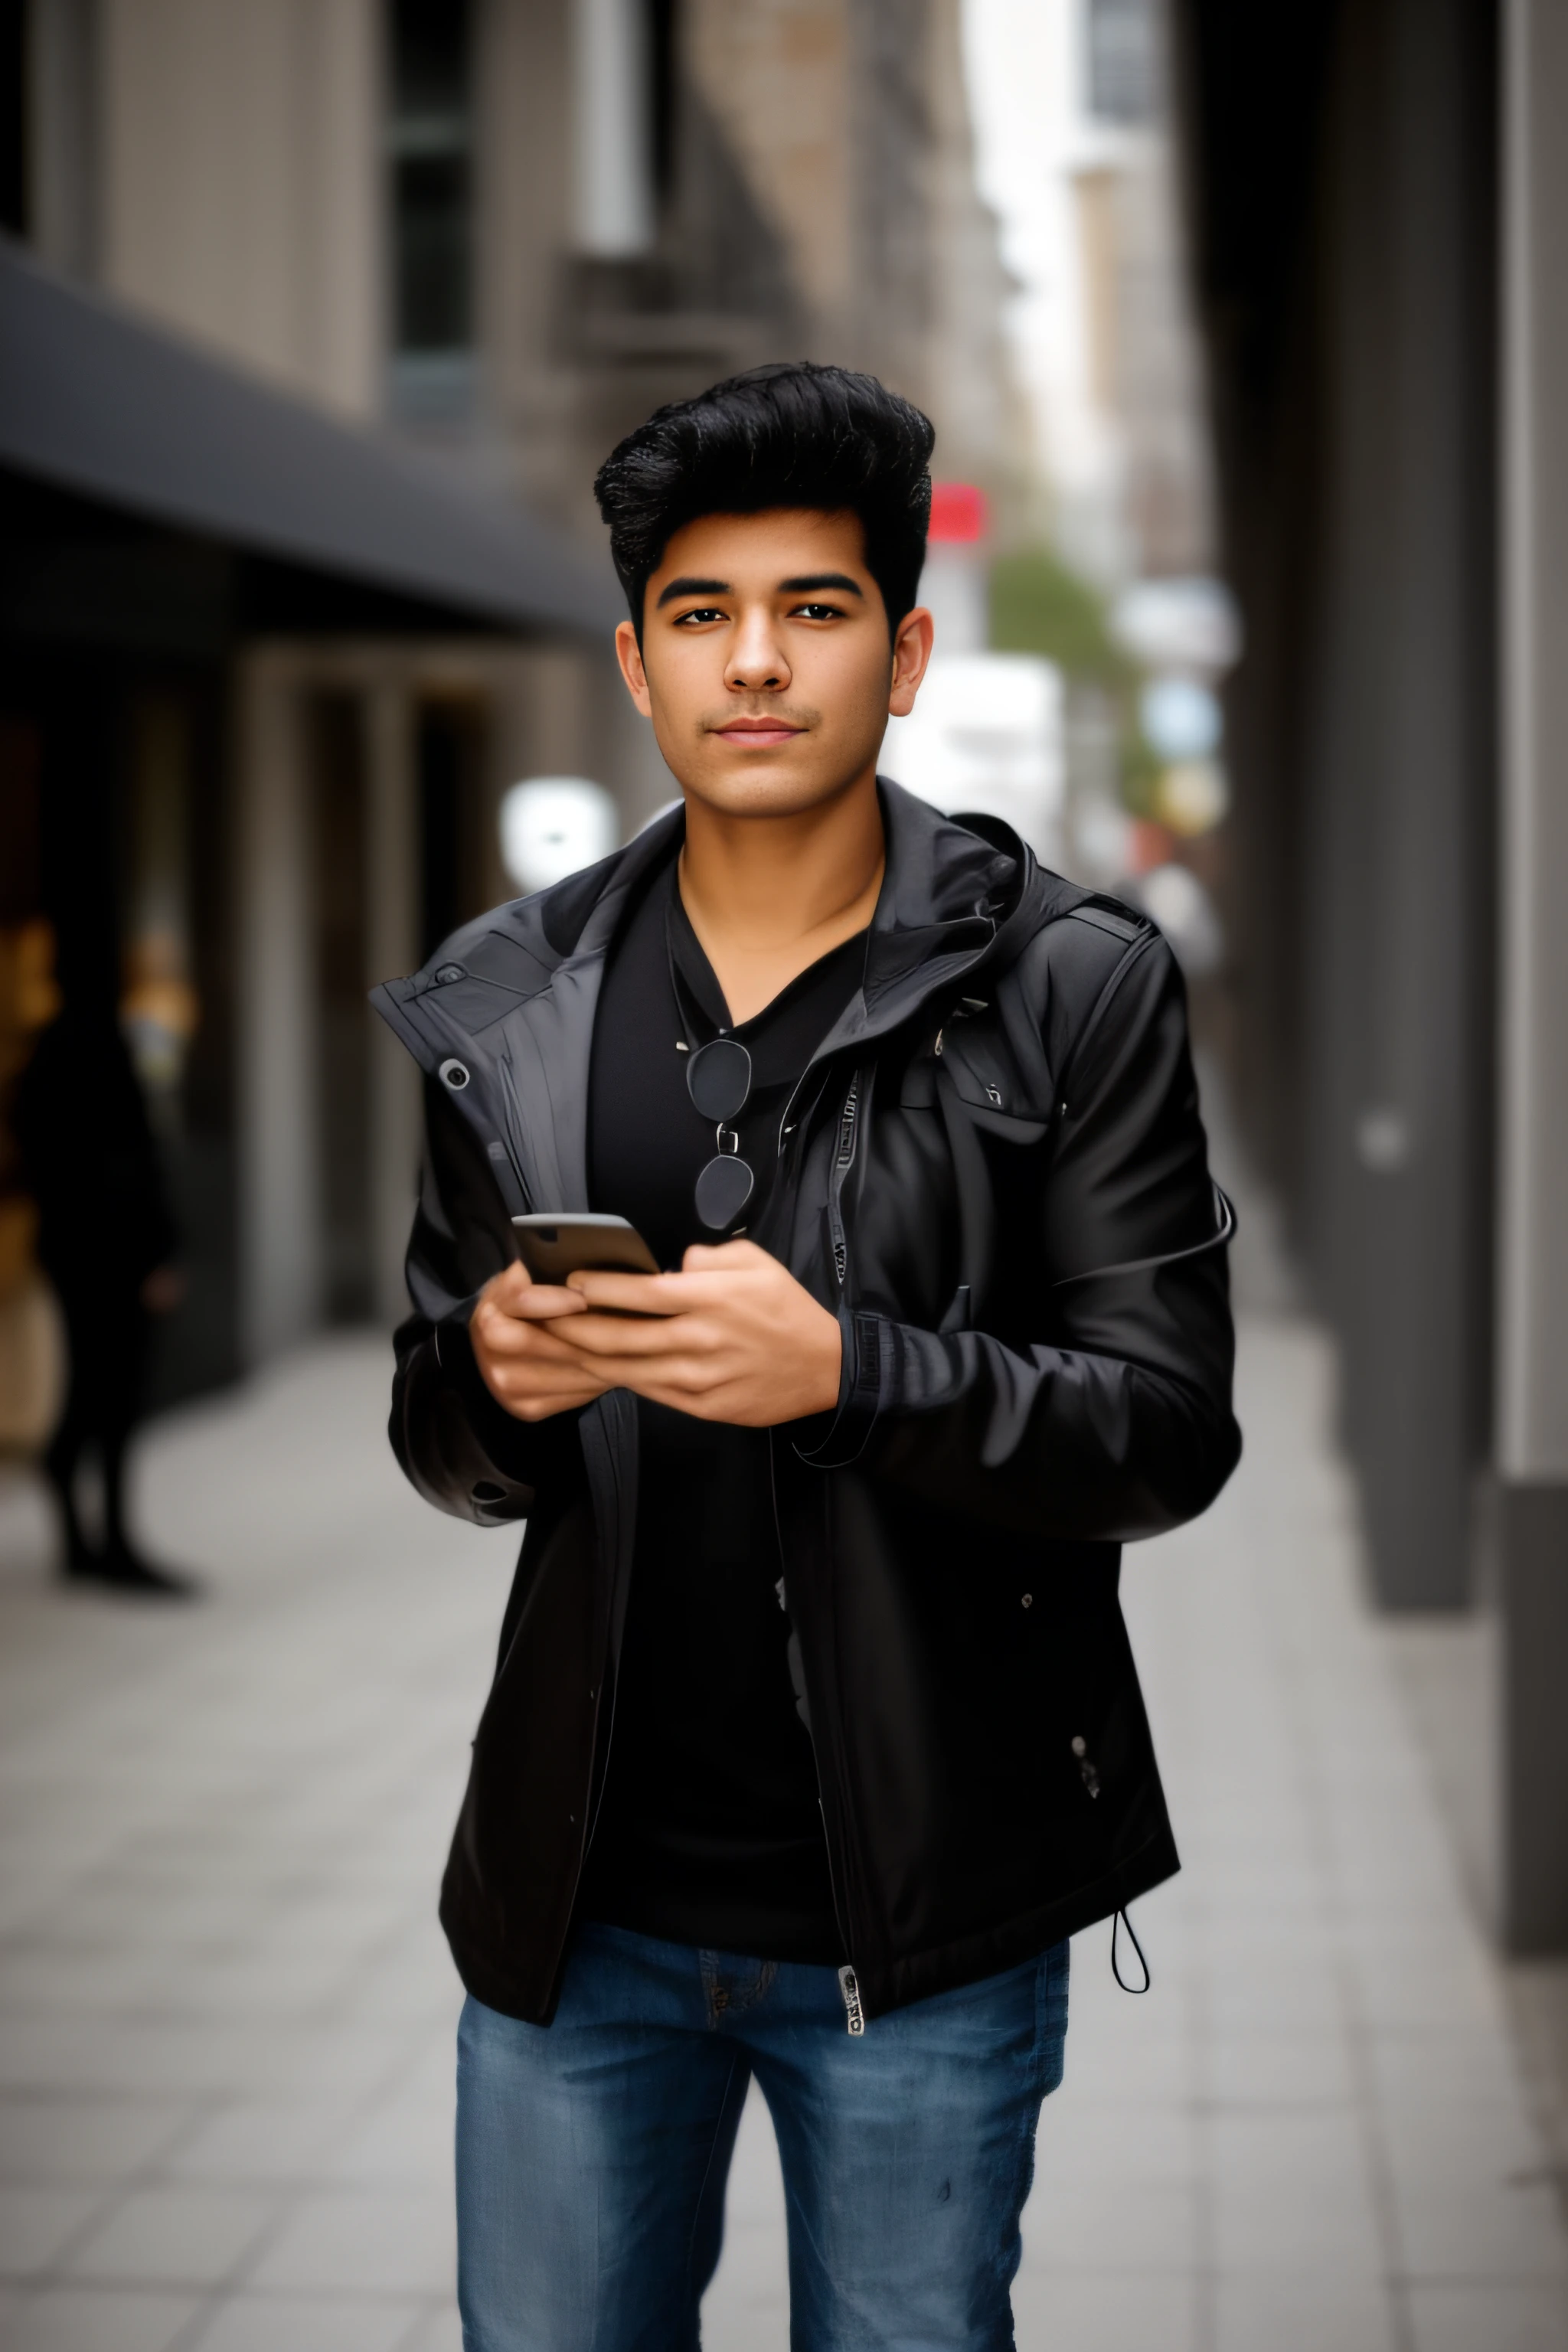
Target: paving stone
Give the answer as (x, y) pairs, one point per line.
(441, 2331)
(173, 2236)
(1501, 2316)
(85, 2319)
(255, 2322)
(1293, 2311)
(35, 2223)
(362, 2241)
(274, 2142)
(1102, 2311)
(87, 2139)
(1293, 2191)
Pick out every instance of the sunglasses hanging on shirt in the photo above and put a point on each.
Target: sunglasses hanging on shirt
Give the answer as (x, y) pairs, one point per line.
(719, 1081)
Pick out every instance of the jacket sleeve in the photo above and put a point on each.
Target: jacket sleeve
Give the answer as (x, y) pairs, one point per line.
(457, 1446)
(1117, 1421)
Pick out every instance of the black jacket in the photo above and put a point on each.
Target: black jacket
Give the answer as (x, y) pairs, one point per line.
(994, 1174)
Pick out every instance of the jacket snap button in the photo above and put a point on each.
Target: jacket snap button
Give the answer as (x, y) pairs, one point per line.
(1080, 1745)
(994, 1094)
(455, 1075)
(446, 971)
(1028, 1600)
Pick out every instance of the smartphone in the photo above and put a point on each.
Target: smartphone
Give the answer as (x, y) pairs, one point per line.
(552, 1246)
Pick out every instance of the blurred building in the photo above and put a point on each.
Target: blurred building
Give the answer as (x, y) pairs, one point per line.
(323, 314)
(1378, 194)
(1108, 568)
(511, 227)
(1077, 99)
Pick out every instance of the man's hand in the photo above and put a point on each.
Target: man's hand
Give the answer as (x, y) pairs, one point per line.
(732, 1337)
(520, 1360)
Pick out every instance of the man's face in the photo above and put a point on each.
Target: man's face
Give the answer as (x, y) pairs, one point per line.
(765, 665)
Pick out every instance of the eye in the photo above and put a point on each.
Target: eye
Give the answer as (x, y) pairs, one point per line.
(701, 612)
(817, 612)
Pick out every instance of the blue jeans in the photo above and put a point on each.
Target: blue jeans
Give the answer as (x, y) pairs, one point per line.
(592, 2152)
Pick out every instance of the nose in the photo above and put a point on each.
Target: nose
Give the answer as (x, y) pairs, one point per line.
(757, 662)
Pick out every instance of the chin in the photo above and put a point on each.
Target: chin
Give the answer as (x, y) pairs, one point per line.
(765, 791)
(762, 797)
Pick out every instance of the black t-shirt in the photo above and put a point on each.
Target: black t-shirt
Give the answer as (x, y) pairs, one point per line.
(710, 1831)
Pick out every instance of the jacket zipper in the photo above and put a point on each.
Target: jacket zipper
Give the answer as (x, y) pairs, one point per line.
(591, 1814)
(783, 1602)
(844, 1160)
(848, 1125)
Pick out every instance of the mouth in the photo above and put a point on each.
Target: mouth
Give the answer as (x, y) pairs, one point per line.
(759, 734)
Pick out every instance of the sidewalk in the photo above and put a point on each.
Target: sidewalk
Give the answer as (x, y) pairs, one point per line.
(225, 2013)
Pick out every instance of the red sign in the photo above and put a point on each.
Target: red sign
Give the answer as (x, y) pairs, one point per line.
(959, 515)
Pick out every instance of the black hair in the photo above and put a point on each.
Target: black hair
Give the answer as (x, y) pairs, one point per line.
(791, 434)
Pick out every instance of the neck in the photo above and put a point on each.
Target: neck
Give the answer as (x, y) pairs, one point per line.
(767, 896)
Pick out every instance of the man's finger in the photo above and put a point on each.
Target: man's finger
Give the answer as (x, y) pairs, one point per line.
(515, 1292)
(680, 1380)
(511, 1340)
(541, 1302)
(723, 1257)
(556, 1387)
(605, 1337)
(536, 1403)
(635, 1294)
(544, 1388)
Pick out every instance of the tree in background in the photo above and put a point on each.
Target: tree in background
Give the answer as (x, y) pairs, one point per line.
(1039, 606)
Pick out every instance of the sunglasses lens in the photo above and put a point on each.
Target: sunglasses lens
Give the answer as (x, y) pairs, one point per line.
(723, 1190)
(719, 1078)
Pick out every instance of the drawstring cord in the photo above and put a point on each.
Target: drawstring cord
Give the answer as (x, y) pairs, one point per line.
(1122, 1920)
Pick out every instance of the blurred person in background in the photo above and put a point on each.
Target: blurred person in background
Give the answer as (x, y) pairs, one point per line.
(816, 1733)
(107, 1240)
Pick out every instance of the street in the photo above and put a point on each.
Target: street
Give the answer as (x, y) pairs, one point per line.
(227, 2012)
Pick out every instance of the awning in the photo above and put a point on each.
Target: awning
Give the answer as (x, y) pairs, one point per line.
(99, 403)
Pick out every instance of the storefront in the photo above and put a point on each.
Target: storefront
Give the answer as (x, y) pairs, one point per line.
(262, 681)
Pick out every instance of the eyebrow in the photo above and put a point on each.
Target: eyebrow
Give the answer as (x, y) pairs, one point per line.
(810, 579)
(691, 587)
(803, 586)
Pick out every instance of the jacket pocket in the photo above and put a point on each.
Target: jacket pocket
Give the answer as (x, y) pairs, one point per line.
(984, 1075)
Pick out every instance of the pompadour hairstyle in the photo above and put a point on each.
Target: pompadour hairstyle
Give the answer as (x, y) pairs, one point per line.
(791, 434)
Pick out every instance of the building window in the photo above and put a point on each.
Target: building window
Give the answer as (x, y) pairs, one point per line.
(1122, 41)
(430, 139)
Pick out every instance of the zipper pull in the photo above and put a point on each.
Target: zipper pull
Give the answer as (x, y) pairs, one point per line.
(852, 2008)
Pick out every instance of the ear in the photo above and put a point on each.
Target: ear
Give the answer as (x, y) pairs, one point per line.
(911, 652)
(629, 653)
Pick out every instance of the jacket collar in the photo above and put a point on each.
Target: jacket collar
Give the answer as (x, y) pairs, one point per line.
(948, 899)
(945, 894)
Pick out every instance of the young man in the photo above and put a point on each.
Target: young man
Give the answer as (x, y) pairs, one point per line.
(814, 1731)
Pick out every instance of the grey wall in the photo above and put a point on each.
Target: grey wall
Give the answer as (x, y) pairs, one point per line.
(1527, 1553)
(1341, 166)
